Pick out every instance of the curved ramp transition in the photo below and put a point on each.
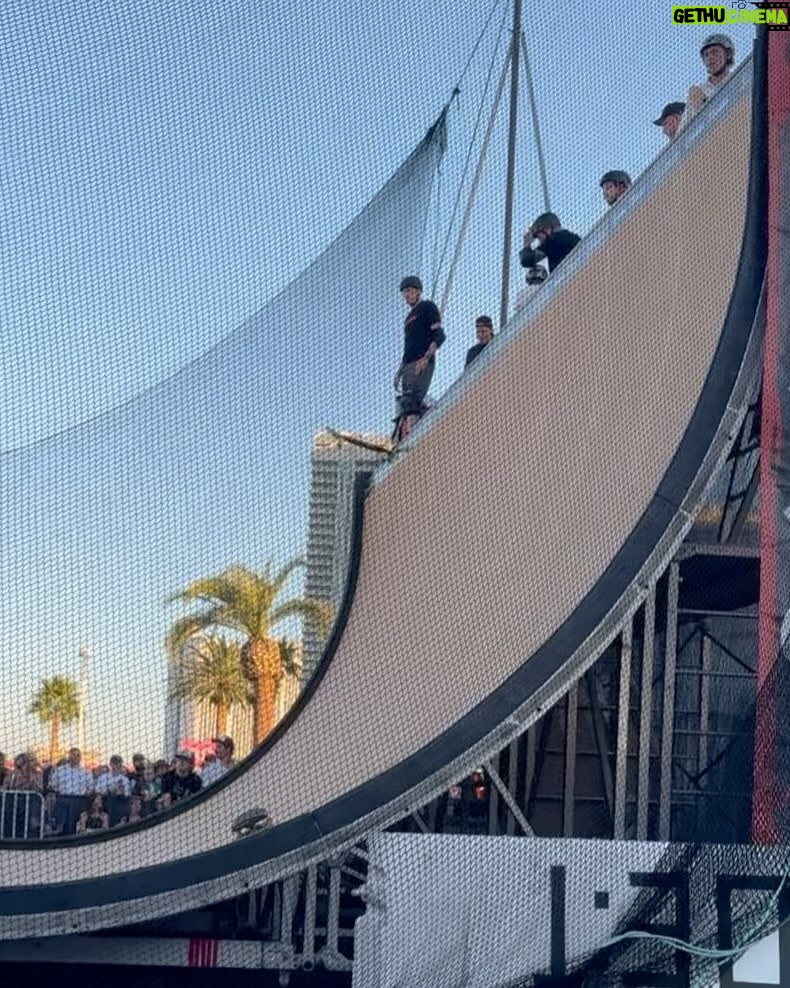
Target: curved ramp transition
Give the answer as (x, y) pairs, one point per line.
(515, 528)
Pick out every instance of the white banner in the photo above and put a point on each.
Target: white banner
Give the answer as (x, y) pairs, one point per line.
(489, 912)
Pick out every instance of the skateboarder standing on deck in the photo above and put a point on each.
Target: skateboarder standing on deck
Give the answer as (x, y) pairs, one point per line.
(423, 335)
(717, 52)
(554, 242)
(613, 185)
(484, 330)
(670, 118)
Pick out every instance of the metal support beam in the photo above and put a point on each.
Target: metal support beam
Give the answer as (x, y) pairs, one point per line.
(704, 701)
(507, 796)
(310, 902)
(512, 783)
(601, 741)
(540, 754)
(645, 716)
(531, 744)
(333, 910)
(668, 713)
(728, 497)
(746, 503)
(623, 719)
(493, 806)
(569, 787)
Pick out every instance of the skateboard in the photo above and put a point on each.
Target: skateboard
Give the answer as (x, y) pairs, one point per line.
(348, 437)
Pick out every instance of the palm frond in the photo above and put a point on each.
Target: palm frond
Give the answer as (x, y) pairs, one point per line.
(320, 612)
(57, 697)
(288, 657)
(210, 670)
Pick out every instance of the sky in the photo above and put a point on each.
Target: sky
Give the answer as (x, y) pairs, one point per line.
(168, 170)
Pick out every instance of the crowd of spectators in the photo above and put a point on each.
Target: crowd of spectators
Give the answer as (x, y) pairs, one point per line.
(68, 798)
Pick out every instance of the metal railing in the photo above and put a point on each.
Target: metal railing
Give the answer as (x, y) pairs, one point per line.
(21, 814)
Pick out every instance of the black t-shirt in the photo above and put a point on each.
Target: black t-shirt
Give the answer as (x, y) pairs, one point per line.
(474, 351)
(180, 786)
(419, 331)
(558, 246)
(137, 780)
(555, 248)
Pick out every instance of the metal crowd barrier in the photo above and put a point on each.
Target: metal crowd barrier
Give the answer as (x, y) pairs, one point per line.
(21, 814)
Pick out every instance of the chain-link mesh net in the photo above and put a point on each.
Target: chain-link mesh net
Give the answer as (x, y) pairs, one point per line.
(138, 525)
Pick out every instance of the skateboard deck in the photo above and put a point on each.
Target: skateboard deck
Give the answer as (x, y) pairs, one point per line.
(348, 437)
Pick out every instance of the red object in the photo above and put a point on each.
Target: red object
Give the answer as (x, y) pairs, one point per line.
(199, 748)
(203, 953)
(771, 441)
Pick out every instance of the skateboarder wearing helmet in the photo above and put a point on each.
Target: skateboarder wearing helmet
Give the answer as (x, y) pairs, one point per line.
(423, 335)
(670, 118)
(718, 55)
(554, 242)
(614, 184)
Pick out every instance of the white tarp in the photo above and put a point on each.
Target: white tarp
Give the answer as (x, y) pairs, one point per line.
(487, 912)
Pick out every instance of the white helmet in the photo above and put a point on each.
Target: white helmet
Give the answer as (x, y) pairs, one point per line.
(724, 40)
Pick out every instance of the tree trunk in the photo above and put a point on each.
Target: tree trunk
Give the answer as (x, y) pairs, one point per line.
(261, 665)
(221, 719)
(54, 739)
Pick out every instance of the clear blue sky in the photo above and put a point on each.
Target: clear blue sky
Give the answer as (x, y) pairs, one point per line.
(168, 168)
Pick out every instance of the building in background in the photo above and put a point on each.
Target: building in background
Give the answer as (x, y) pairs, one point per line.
(335, 466)
(191, 725)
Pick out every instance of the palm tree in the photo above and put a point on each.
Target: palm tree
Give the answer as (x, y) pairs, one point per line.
(56, 702)
(244, 601)
(209, 670)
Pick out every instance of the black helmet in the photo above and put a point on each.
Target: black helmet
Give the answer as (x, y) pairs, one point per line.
(618, 177)
(546, 220)
(411, 281)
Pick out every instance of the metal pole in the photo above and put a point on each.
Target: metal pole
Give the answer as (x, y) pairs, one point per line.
(646, 716)
(85, 655)
(507, 246)
(623, 722)
(668, 713)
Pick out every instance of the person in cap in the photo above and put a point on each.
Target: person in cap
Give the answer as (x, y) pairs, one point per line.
(484, 330)
(613, 185)
(223, 749)
(554, 242)
(181, 781)
(718, 56)
(670, 118)
(422, 337)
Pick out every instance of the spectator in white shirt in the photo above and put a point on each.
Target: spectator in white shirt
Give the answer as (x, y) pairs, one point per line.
(71, 779)
(115, 782)
(223, 748)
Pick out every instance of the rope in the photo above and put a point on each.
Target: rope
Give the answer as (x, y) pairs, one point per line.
(476, 179)
(467, 161)
(457, 87)
(535, 124)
